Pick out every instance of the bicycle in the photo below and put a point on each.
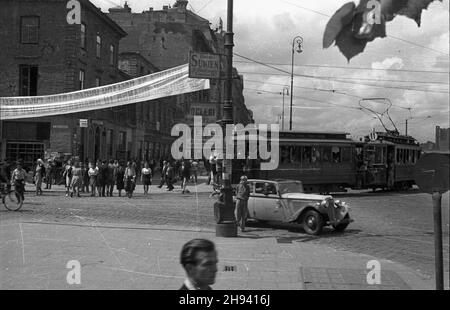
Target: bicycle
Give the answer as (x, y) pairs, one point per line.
(11, 198)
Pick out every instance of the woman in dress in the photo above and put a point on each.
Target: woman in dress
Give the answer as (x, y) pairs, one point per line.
(146, 177)
(92, 173)
(119, 174)
(130, 179)
(39, 174)
(77, 180)
(67, 175)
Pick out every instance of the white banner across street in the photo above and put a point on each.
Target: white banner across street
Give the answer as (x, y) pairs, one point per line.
(162, 84)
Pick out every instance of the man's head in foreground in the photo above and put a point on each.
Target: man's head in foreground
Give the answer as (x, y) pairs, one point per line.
(199, 260)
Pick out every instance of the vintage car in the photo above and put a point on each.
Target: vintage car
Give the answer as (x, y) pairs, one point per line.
(285, 201)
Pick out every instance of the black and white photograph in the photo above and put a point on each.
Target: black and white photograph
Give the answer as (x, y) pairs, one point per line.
(241, 147)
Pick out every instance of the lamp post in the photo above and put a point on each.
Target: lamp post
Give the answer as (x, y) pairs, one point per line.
(285, 92)
(226, 222)
(296, 42)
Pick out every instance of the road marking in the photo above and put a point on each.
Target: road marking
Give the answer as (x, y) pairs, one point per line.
(23, 246)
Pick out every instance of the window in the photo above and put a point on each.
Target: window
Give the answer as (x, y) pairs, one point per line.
(83, 36)
(306, 155)
(81, 80)
(346, 154)
(336, 154)
(28, 80)
(378, 155)
(98, 82)
(326, 154)
(122, 140)
(315, 155)
(111, 55)
(29, 30)
(99, 46)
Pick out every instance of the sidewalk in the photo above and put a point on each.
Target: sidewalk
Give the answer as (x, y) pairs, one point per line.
(34, 256)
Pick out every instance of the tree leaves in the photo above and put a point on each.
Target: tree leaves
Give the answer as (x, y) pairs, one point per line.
(350, 27)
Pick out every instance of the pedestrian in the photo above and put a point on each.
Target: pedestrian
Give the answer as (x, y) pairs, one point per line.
(39, 173)
(67, 176)
(18, 177)
(130, 179)
(185, 175)
(170, 177)
(194, 170)
(119, 174)
(110, 179)
(212, 165)
(92, 173)
(49, 174)
(219, 171)
(86, 179)
(102, 178)
(77, 179)
(163, 174)
(207, 166)
(199, 260)
(146, 177)
(242, 196)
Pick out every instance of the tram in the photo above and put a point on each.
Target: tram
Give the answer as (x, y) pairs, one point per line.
(332, 162)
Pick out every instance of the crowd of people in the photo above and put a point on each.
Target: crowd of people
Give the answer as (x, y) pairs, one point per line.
(102, 177)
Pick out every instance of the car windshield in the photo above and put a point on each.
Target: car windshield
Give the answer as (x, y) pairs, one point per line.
(290, 187)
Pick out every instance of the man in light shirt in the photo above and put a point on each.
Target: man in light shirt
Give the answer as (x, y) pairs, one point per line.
(199, 260)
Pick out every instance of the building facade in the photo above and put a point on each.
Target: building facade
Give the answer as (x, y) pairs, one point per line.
(165, 38)
(442, 139)
(44, 56)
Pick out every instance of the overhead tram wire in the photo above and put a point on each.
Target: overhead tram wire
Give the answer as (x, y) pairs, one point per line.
(305, 98)
(350, 68)
(332, 79)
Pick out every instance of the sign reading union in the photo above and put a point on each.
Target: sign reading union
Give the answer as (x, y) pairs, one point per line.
(204, 66)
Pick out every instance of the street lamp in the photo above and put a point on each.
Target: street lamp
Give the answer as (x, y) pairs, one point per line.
(296, 47)
(285, 92)
(226, 222)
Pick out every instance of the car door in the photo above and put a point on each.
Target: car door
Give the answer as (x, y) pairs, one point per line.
(266, 202)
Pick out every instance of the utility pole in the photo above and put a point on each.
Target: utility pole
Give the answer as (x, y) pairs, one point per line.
(296, 41)
(406, 129)
(226, 227)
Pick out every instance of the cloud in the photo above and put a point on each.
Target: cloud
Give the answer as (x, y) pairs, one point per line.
(389, 63)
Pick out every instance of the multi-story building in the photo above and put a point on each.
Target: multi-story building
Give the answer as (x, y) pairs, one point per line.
(43, 55)
(442, 139)
(165, 38)
(154, 119)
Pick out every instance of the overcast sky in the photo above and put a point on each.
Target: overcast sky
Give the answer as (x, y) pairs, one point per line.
(264, 30)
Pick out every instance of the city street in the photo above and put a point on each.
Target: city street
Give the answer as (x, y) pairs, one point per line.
(396, 226)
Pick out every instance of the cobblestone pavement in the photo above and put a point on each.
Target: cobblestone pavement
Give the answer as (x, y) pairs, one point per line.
(392, 226)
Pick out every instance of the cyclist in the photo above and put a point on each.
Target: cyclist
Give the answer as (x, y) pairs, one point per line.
(18, 180)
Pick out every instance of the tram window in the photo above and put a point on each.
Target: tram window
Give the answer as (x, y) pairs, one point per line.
(378, 155)
(406, 156)
(398, 156)
(315, 155)
(295, 154)
(346, 154)
(414, 156)
(326, 154)
(306, 155)
(284, 154)
(336, 154)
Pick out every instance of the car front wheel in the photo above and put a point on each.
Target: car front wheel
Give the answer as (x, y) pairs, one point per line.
(313, 223)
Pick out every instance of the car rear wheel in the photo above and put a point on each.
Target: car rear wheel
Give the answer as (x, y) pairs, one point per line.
(313, 223)
(343, 226)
